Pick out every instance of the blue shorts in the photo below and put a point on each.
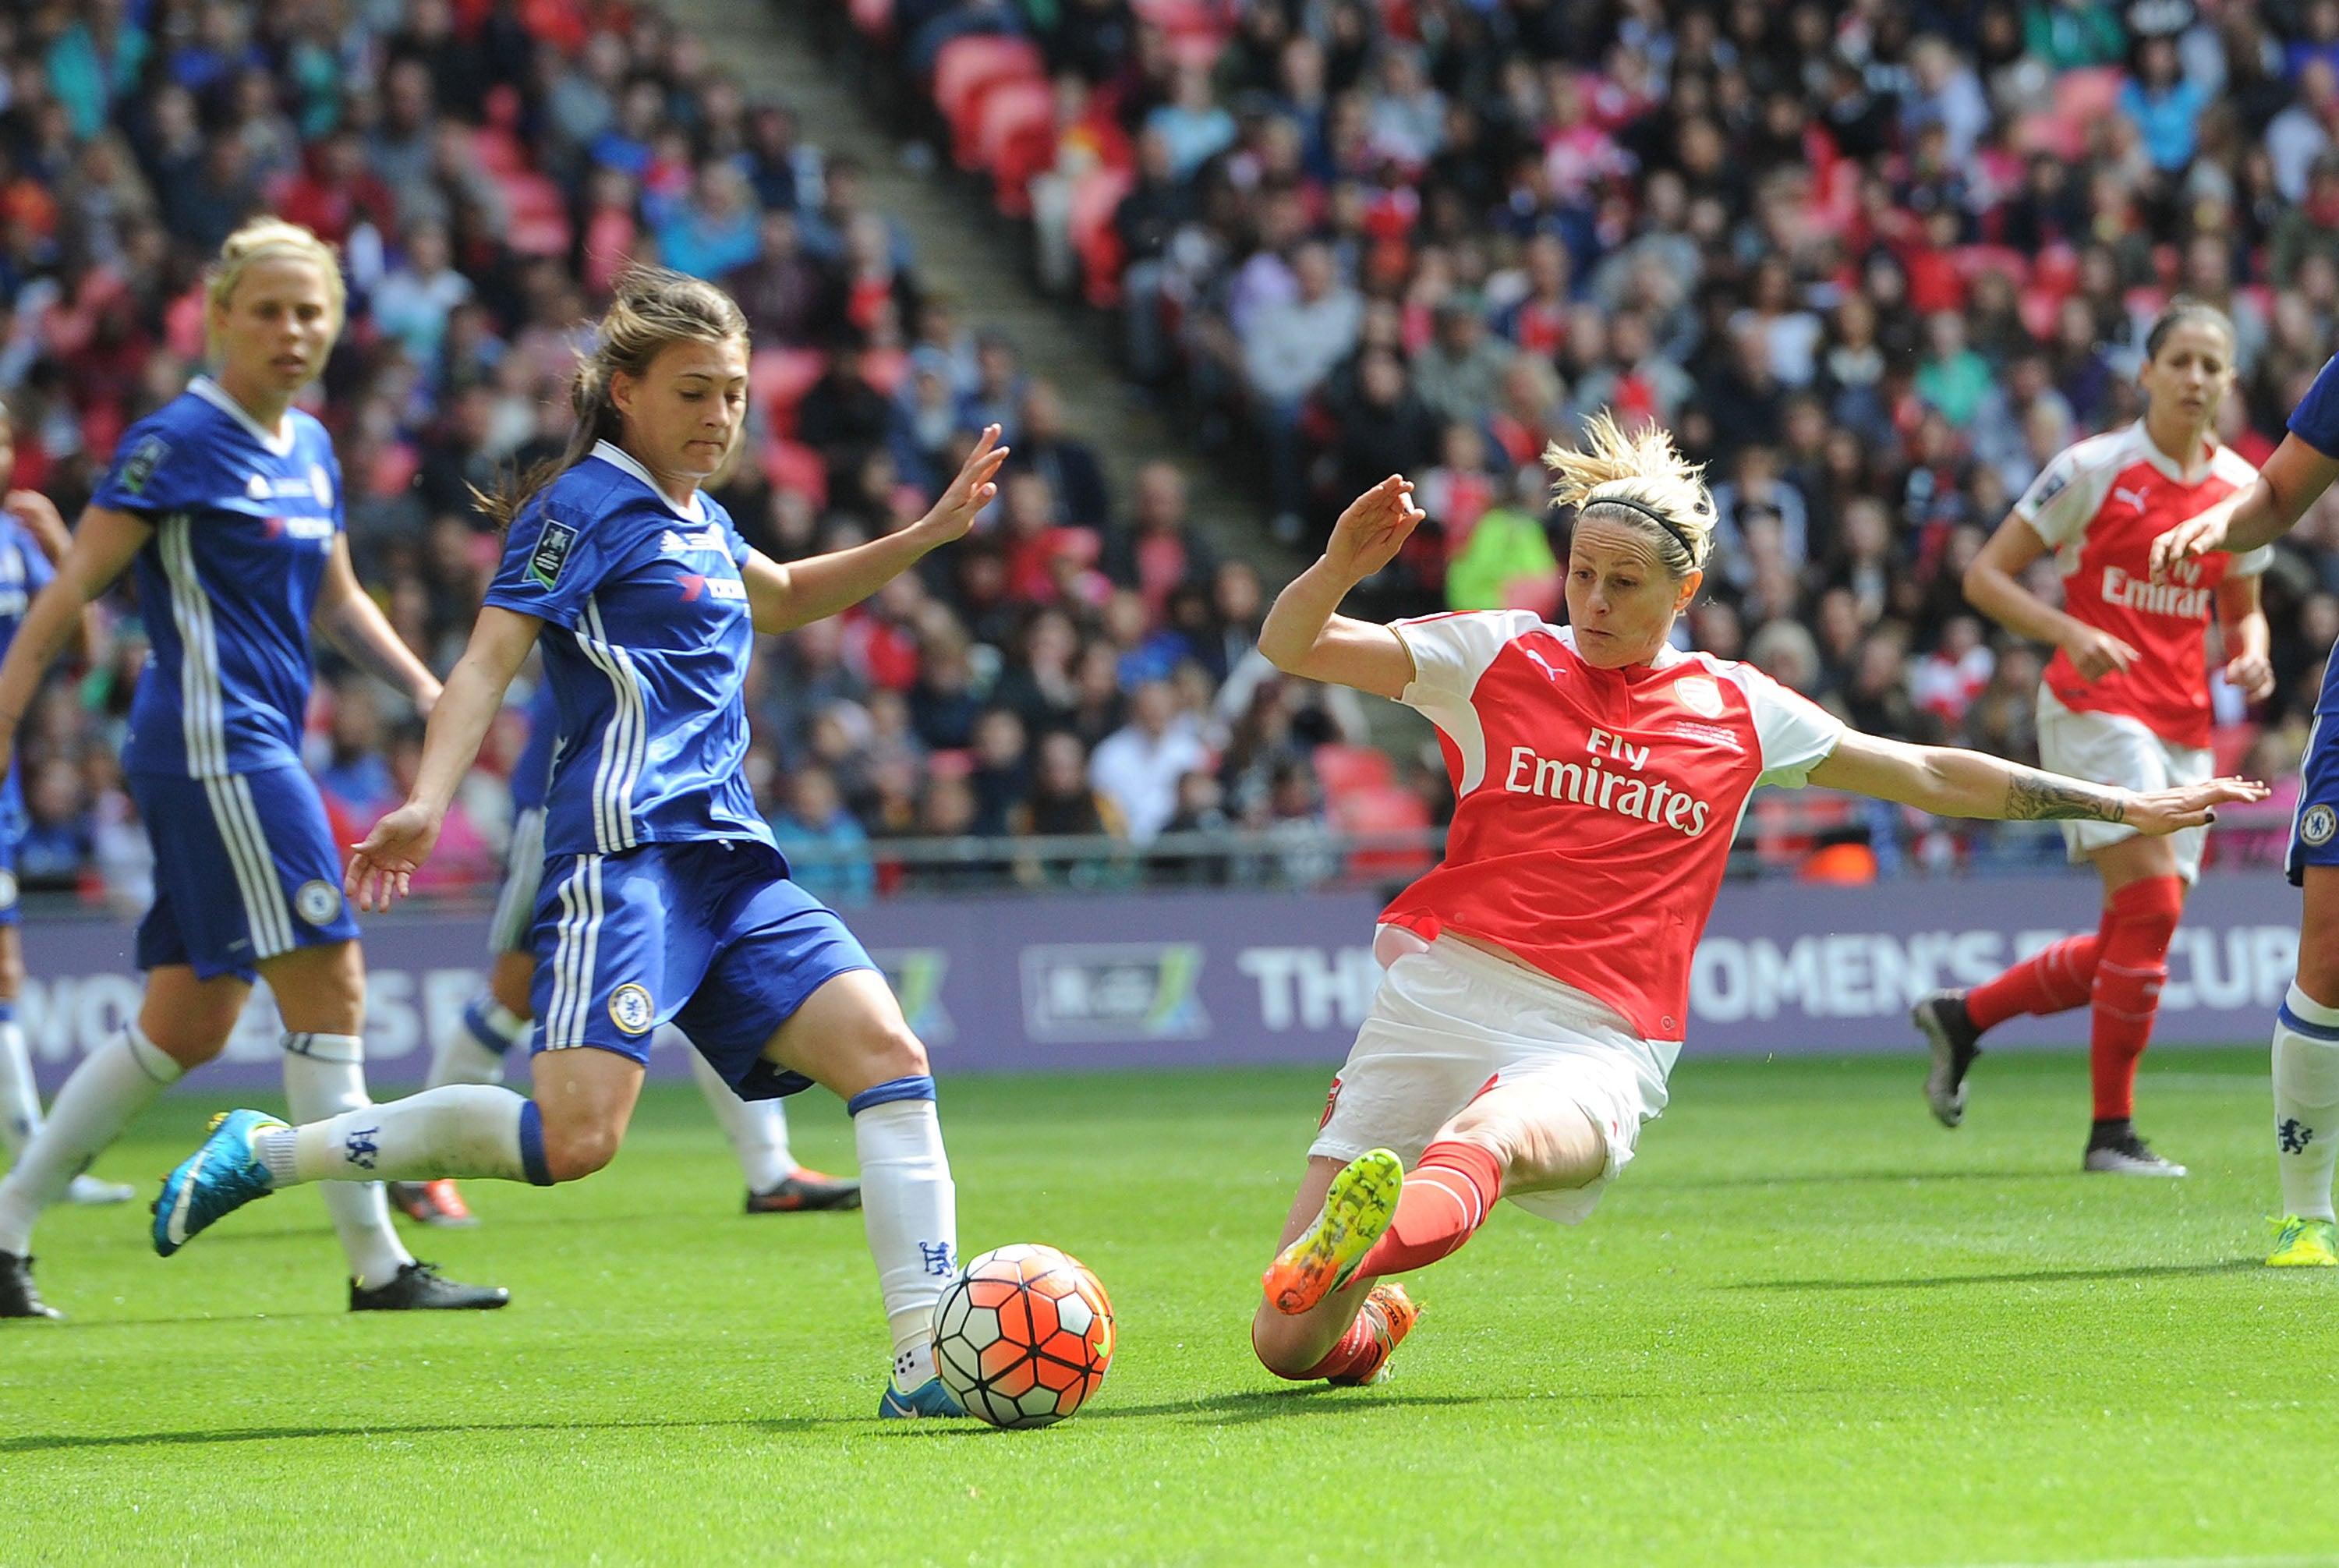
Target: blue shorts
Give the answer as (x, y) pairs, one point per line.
(2315, 827)
(244, 870)
(708, 935)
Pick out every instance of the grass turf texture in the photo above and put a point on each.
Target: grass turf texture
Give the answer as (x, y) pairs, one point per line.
(1809, 1327)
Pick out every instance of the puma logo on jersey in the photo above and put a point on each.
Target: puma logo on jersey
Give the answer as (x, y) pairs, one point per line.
(2134, 497)
(1587, 783)
(693, 585)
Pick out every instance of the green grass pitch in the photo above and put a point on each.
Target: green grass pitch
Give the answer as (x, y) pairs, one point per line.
(1808, 1326)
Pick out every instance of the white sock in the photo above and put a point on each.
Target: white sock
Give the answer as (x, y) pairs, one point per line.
(20, 1102)
(757, 1129)
(324, 1076)
(910, 1207)
(462, 1129)
(475, 1051)
(2306, 1103)
(112, 1084)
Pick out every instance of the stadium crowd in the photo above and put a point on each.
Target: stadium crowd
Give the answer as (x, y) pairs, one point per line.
(487, 169)
(1873, 262)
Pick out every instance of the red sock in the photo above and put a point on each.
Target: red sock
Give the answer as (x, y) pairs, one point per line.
(2138, 923)
(1446, 1197)
(2055, 978)
(1357, 1346)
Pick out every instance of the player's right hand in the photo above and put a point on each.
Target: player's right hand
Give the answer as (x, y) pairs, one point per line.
(2097, 653)
(2189, 540)
(1373, 530)
(383, 869)
(42, 520)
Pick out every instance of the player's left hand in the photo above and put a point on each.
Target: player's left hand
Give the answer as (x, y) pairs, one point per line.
(42, 520)
(969, 493)
(2252, 675)
(2192, 805)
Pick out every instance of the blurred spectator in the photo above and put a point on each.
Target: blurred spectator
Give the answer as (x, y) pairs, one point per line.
(1137, 767)
(814, 818)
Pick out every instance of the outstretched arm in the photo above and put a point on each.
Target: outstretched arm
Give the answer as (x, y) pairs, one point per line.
(782, 597)
(1948, 782)
(2288, 484)
(385, 863)
(1304, 635)
(107, 541)
(347, 613)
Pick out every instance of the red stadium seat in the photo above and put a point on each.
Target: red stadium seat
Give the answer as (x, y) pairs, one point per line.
(1342, 768)
(967, 65)
(777, 379)
(1010, 109)
(1383, 809)
(2088, 94)
(1030, 151)
(793, 466)
(2050, 133)
(539, 214)
(2056, 270)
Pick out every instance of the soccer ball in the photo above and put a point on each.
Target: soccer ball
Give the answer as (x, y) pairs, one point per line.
(1023, 1335)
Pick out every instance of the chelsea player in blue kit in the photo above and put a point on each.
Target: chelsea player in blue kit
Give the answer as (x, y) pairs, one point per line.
(2306, 1026)
(226, 504)
(495, 1019)
(32, 540)
(665, 897)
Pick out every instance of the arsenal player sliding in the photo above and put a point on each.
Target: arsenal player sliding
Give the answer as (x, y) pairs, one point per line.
(2125, 701)
(1539, 978)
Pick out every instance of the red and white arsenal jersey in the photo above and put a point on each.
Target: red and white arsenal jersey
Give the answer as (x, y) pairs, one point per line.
(2098, 506)
(1594, 807)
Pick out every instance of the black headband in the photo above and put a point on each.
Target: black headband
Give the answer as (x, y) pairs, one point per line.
(1654, 515)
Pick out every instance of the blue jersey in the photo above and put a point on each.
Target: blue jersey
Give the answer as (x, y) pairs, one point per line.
(2315, 421)
(645, 647)
(24, 572)
(244, 523)
(532, 773)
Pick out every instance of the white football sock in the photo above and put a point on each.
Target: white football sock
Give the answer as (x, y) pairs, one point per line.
(757, 1129)
(112, 1084)
(475, 1051)
(20, 1102)
(471, 1130)
(910, 1207)
(2306, 1103)
(324, 1076)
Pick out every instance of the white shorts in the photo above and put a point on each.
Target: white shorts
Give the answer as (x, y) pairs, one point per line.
(1450, 1022)
(2115, 749)
(514, 916)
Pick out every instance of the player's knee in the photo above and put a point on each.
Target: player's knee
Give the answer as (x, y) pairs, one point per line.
(1280, 1347)
(577, 1148)
(889, 1050)
(321, 989)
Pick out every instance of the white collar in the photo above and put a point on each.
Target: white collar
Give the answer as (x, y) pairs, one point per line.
(218, 397)
(611, 453)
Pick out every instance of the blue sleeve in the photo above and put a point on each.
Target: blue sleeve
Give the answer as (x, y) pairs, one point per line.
(550, 564)
(2315, 420)
(38, 572)
(146, 475)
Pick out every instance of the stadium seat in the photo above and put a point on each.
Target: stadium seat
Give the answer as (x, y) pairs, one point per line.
(793, 466)
(1019, 107)
(1383, 808)
(1342, 768)
(967, 65)
(777, 379)
(1973, 261)
(539, 214)
(885, 368)
(2055, 269)
(2088, 94)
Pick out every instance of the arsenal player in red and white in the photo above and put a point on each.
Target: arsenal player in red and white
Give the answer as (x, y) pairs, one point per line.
(1539, 980)
(2125, 701)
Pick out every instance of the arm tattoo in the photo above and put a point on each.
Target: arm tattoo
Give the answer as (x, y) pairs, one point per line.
(2035, 796)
